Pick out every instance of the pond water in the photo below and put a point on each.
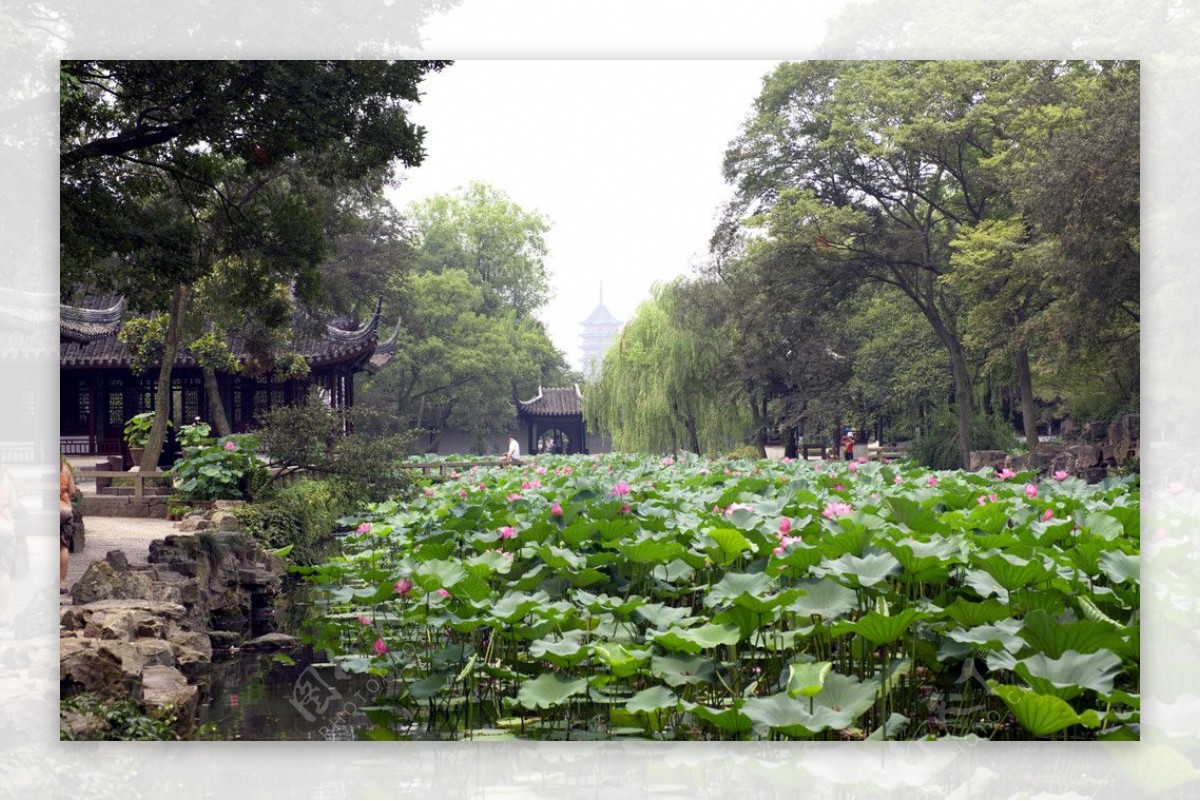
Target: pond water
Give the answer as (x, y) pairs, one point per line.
(293, 695)
(274, 696)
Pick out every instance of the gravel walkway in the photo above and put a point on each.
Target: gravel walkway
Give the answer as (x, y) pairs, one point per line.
(132, 535)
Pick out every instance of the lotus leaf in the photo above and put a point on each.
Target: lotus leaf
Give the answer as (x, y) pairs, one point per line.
(1070, 674)
(793, 717)
(695, 640)
(676, 670)
(652, 699)
(1042, 715)
(549, 690)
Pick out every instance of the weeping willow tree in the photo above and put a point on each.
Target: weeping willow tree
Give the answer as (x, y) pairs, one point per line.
(658, 388)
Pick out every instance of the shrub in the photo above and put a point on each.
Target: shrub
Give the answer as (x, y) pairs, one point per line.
(302, 514)
(196, 435)
(937, 448)
(123, 720)
(137, 429)
(363, 468)
(222, 470)
(743, 452)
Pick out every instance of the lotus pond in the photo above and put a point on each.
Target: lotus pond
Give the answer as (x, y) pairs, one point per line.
(619, 597)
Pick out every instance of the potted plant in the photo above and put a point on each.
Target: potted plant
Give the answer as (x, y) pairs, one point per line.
(194, 437)
(137, 432)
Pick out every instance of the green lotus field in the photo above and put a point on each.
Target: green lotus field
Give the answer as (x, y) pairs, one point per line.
(680, 598)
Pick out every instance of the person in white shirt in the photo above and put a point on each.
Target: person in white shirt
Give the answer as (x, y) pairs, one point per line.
(514, 450)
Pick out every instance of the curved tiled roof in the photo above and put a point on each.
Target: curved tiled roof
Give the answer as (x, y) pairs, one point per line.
(101, 317)
(553, 401)
(601, 316)
(88, 339)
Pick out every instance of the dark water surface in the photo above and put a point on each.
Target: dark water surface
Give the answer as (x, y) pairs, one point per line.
(267, 696)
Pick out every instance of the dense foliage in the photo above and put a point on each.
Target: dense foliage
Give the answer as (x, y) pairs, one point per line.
(212, 191)
(940, 231)
(681, 598)
(469, 340)
(119, 720)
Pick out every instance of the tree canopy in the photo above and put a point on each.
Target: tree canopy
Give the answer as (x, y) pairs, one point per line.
(470, 343)
(173, 169)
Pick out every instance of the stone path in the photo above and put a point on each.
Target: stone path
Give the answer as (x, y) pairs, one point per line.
(132, 535)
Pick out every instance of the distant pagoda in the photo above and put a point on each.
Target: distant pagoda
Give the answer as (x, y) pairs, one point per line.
(599, 330)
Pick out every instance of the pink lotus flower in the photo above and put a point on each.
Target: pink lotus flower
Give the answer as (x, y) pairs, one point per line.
(621, 489)
(667, 461)
(482, 485)
(861, 460)
(429, 492)
(836, 509)
(403, 586)
(462, 493)
(1004, 474)
(1031, 491)
(852, 467)
(733, 507)
(788, 460)
(525, 485)
(931, 481)
(818, 467)
(541, 471)
(453, 474)
(838, 488)
(366, 621)
(1061, 475)
(230, 445)
(982, 499)
(507, 533)
(516, 496)
(625, 509)
(380, 647)
(785, 526)
(445, 593)
(897, 480)
(1046, 515)
(364, 528)
(784, 542)
(556, 509)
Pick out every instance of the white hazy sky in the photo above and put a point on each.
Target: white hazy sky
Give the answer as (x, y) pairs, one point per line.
(622, 157)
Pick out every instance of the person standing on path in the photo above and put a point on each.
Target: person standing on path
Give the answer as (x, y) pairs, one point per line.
(66, 515)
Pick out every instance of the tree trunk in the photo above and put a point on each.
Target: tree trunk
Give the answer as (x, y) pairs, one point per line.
(162, 394)
(964, 389)
(759, 416)
(1028, 412)
(216, 406)
(964, 401)
(790, 451)
(693, 436)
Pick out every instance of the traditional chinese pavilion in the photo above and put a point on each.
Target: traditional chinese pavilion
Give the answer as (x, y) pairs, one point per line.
(99, 391)
(554, 420)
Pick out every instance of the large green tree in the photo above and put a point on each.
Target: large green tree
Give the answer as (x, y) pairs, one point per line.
(480, 230)
(459, 366)
(167, 170)
(880, 167)
(470, 343)
(663, 384)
